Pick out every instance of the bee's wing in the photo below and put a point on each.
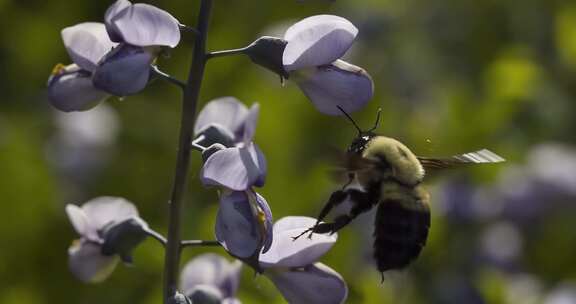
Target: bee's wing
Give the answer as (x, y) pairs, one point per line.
(347, 162)
(483, 156)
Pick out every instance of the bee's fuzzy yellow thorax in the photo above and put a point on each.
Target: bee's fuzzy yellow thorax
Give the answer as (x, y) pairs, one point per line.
(405, 166)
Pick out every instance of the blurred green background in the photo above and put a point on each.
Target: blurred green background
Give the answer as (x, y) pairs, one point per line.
(452, 76)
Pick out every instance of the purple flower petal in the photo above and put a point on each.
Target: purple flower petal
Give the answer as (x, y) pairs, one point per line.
(71, 89)
(211, 269)
(124, 71)
(237, 228)
(102, 211)
(226, 112)
(236, 168)
(112, 12)
(341, 84)
(144, 25)
(87, 43)
(88, 264)
(267, 220)
(317, 40)
(316, 283)
(249, 128)
(285, 252)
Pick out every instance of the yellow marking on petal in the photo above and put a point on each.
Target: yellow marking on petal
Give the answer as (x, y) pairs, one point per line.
(58, 69)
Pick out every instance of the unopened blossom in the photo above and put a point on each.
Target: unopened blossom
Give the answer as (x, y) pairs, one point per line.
(109, 229)
(293, 267)
(210, 278)
(141, 30)
(310, 55)
(70, 87)
(244, 220)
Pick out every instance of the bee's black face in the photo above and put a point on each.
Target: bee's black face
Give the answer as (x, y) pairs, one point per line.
(359, 143)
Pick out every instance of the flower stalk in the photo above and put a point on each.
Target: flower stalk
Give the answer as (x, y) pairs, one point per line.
(189, 103)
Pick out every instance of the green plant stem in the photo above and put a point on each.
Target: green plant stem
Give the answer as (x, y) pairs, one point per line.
(159, 73)
(155, 235)
(226, 53)
(189, 103)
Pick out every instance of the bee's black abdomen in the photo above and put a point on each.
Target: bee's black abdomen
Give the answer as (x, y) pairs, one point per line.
(400, 233)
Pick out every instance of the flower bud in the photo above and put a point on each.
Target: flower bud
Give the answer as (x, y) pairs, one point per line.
(123, 237)
(267, 52)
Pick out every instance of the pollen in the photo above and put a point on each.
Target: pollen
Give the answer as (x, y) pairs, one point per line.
(58, 69)
(261, 216)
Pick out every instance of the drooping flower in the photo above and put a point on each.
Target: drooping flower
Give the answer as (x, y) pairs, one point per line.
(141, 30)
(314, 47)
(292, 265)
(244, 225)
(310, 55)
(240, 164)
(70, 87)
(112, 58)
(210, 278)
(224, 131)
(109, 229)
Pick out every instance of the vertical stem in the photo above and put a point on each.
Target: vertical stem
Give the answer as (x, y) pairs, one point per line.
(189, 102)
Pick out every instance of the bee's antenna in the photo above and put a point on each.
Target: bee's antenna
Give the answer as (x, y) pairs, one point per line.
(377, 123)
(350, 118)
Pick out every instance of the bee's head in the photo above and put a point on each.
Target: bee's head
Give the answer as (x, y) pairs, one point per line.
(360, 142)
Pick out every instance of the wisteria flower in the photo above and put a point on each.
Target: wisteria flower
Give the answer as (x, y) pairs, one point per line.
(70, 87)
(210, 278)
(292, 265)
(109, 229)
(240, 164)
(244, 225)
(310, 55)
(141, 30)
(314, 47)
(224, 131)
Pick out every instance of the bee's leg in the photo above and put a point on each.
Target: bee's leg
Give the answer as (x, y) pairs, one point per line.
(336, 198)
(363, 202)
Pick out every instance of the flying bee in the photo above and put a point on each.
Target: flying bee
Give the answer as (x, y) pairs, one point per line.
(389, 175)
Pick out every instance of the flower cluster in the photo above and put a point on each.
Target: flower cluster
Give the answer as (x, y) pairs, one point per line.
(112, 57)
(292, 266)
(117, 58)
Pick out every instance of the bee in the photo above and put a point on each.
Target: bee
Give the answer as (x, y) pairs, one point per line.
(386, 173)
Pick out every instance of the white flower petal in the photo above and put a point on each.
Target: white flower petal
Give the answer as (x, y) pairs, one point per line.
(77, 218)
(286, 252)
(227, 112)
(112, 12)
(88, 264)
(317, 40)
(211, 269)
(104, 210)
(146, 25)
(87, 43)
